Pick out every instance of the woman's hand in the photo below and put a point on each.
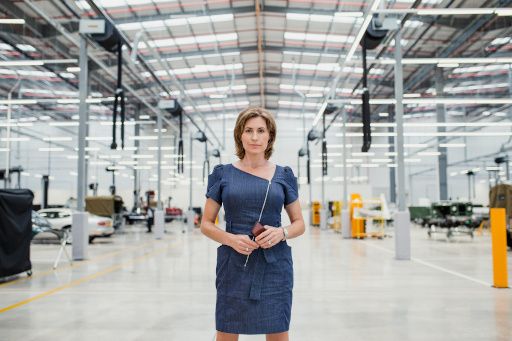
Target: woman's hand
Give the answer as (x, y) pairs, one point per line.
(241, 243)
(270, 237)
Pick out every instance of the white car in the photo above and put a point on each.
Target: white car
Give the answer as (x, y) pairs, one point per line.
(61, 218)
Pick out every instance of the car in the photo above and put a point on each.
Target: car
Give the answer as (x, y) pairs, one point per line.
(61, 218)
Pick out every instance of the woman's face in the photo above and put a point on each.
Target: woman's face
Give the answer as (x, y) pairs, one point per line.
(255, 136)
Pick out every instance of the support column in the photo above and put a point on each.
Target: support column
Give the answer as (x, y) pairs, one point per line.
(346, 227)
(136, 187)
(7, 174)
(402, 217)
(392, 172)
(442, 159)
(324, 204)
(159, 213)
(190, 213)
(79, 228)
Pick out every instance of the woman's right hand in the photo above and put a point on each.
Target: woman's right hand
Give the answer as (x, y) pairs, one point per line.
(241, 243)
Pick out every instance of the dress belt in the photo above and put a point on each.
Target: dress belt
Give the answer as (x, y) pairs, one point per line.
(261, 262)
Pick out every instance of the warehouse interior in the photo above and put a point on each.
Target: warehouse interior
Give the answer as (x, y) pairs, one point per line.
(114, 112)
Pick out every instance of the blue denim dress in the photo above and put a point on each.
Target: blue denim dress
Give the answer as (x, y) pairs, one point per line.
(256, 299)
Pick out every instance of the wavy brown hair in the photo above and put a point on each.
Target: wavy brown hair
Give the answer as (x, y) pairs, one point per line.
(242, 119)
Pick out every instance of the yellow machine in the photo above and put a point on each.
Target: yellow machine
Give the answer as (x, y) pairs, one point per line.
(356, 202)
(315, 213)
(335, 211)
(368, 217)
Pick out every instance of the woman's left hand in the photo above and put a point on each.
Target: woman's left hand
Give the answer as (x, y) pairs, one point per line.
(270, 237)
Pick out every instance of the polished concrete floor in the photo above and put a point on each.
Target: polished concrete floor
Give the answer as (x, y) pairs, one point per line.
(133, 287)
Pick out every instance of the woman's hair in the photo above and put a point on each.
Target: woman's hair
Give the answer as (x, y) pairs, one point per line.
(242, 119)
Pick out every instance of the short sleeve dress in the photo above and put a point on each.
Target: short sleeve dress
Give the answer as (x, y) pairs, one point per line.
(256, 299)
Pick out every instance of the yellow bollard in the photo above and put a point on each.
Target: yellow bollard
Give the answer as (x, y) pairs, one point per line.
(499, 247)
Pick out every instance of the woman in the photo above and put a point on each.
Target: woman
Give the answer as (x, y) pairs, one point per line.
(254, 276)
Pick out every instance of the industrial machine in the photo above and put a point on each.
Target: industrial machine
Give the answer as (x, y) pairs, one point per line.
(451, 217)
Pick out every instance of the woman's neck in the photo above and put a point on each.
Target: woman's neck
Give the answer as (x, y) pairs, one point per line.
(254, 161)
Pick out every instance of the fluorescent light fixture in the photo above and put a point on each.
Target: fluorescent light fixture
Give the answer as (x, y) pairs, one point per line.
(141, 167)
(446, 11)
(142, 156)
(415, 145)
(144, 117)
(98, 138)
(329, 67)
(217, 96)
(503, 11)
(452, 145)
(468, 60)
(163, 148)
(383, 114)
(113, 156)
(55, 139)
(363, 154)
(448, 65)
(15, 139)
(18, 101)
(348, 14)
(34, 62)
(4, 149)
(131, 149)
(155, 25)
(146, 137)
(454, 11)
(206, 39)
(21, 63)
(412, 95)
(12, 21)
(201, 68)
(73, 69)
(64, 124)
(331, 38)
(51, 149)
(313, 95)
(342, 17)
(116, 167)
(429, 153)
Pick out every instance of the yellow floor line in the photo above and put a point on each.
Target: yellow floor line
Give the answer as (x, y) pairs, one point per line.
(75, 265)
(83, 280)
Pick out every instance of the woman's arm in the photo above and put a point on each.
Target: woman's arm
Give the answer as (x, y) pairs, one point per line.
(297, 226)
(276, 234)
(241, 243)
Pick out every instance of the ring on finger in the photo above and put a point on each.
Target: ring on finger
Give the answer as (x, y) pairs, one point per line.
(269, 242)
(246, 249)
